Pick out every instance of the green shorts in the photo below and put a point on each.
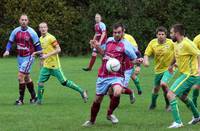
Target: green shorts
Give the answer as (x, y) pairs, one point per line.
(162, 77)
(183, 84)
(45, 74)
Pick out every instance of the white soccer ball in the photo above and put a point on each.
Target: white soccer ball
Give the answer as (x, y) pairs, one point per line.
(113, 65)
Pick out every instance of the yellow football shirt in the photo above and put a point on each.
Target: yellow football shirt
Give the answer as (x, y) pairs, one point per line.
(130, 39)
(197, 41)
(186, 57)
(163, 54)
(48, 43)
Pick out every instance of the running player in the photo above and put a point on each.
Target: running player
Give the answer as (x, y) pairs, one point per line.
(51, 64)
(195, 92)
(100, 36)
(187, 58)
(116, 47)
(163, 51)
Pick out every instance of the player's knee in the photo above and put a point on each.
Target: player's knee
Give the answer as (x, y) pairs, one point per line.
(27, 79)
(20, 77)
(156, 89)
(117, 90)
(94, 53)
(163, 84)
(183, 98)
(98, 99)
(170, 95)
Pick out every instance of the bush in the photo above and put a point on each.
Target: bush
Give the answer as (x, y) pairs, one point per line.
(72, 21)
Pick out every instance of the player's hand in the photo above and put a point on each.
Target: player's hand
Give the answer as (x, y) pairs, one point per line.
(44, 56)
(137, 70)
(139, 60)
(33, 54)
(6, 53)
(93, 43)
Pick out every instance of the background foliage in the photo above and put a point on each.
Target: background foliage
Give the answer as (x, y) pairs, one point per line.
(72, 21)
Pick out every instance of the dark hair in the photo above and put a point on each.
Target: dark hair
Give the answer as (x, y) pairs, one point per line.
(179, 28)
(117, 25)
(161, 29)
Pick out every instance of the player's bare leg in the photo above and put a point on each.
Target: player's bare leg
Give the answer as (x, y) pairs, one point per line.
(92, 61)
(165, 90)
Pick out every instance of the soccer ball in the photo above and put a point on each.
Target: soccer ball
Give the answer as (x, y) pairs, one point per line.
(113, 65)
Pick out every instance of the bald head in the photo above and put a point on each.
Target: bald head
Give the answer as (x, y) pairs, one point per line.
(43, 27)
(23, 20)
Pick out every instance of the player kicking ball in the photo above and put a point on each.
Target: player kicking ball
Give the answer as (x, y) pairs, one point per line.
(51, 64)
(118, 48)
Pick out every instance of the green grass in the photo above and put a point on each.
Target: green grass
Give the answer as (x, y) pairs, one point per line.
(64, 110)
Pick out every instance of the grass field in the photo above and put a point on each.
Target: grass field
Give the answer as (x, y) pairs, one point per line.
(64, 110)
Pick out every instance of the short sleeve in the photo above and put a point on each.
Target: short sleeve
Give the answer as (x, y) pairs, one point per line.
(149, 50)
(130, 50)
(102, 27)
(34, 36)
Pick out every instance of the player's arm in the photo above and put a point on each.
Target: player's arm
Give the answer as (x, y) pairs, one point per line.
(102, 37)
(56, 51)
(8, 47)
(130, 51)
(148, 52)
(36, 43)
(95, 44)
(146, 61)
(10, 42)
(172, 65)
(38, 49)
(94, 37)
(103, 30)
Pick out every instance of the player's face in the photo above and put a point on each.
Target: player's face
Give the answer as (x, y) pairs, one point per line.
(97, 18)
(43, 28)
(23, 21)
(161, 36)
(173, 35)
(118, 33)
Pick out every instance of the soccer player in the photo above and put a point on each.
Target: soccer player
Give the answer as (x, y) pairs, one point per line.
(187, 58)
(28, 46)
(116, 47)
(100, 36)
(51, 64)
(163, 51)
(195, 92)
(132, 71)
